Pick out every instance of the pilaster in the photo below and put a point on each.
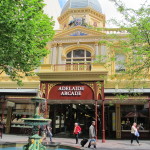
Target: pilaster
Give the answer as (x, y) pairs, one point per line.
(96, 50)
(59, 53)
(54, 52)
(8, 121)
(118, 122)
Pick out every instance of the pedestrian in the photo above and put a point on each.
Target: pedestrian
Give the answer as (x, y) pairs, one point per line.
(49, 130)
(76, 131)
(92, 135)
(134, 133)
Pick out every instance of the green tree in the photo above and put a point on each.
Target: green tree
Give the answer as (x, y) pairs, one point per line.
(24, 32)
(135, 43)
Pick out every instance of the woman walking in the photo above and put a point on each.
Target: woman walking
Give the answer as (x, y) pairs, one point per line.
(49, 131)
(134, 133)
(76, 131)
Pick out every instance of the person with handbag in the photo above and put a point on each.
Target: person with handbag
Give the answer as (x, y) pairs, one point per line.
(134, 133)
(92, 135)
(76, 131)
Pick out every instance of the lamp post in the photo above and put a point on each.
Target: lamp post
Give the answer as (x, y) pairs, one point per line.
(3, 101)
(103, 115)
(149, 114)
(96, 111)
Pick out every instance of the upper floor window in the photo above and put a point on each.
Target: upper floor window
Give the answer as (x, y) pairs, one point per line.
(120, 62)
(78, 56)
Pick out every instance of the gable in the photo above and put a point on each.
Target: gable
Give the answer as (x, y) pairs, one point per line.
(78, 32)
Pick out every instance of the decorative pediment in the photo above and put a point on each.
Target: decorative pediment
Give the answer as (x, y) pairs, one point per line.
(78, 31)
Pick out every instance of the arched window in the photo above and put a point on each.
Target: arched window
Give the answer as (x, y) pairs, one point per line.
(78, 56)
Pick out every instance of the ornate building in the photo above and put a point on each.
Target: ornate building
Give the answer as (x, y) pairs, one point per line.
(72, 80)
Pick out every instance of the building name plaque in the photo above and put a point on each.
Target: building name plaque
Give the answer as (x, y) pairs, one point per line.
(71, 90)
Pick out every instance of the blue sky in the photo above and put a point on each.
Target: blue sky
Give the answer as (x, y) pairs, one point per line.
(62, 2)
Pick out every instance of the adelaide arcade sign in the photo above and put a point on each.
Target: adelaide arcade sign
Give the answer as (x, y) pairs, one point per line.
(68, 90)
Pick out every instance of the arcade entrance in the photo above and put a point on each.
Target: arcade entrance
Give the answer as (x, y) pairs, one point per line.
(65, 115)
(71, 102)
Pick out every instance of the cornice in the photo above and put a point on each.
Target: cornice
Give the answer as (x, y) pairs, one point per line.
(14, 85)
(72, 76)
(81, 10)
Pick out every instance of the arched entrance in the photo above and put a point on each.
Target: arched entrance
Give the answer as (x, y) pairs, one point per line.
(70, 102)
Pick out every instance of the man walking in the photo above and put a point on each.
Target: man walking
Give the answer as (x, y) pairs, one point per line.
(92, 135)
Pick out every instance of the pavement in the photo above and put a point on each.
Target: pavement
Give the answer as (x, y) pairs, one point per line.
(108, 145)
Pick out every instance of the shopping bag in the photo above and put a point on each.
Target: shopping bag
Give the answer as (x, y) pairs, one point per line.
(137, 133)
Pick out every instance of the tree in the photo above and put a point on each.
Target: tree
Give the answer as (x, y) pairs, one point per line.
(135, 44)
(24, 30)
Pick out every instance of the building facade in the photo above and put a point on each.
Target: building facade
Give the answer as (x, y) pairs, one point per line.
(73, 81)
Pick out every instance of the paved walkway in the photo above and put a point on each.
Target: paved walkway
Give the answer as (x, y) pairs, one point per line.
(108, 145)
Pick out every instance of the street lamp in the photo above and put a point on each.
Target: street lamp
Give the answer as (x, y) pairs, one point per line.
(103, 115)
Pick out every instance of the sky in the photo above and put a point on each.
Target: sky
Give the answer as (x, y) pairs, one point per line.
(108, 8)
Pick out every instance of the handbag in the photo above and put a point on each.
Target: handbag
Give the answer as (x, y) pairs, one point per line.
(137, 133)
(93, 142)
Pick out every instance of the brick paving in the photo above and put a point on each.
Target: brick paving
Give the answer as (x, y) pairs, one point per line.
(108, 145)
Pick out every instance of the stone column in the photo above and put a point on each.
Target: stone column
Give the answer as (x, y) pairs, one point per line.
(60, 53)
(96, 50)
(54, 54)
(118, 122)
(50, 56)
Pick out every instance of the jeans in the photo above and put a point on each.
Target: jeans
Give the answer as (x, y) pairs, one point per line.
(90, 143)
(50, 136)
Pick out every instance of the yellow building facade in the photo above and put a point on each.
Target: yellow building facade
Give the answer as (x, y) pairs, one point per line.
(78, 87)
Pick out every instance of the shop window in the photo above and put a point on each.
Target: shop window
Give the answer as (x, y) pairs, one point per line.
(78, 56)
(120, 63)
(134, 113)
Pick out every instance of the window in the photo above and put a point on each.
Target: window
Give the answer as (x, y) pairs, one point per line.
(78, 56)
(134, 113)
(120, 62)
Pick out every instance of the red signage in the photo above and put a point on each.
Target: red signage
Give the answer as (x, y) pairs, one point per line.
(71, 92)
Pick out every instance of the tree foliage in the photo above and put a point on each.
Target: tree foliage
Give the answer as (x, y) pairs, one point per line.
(24, 30)
(134, 44)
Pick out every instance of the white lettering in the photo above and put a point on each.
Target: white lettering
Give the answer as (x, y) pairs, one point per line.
(70, 93)
(71, 90)
(68, 88)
